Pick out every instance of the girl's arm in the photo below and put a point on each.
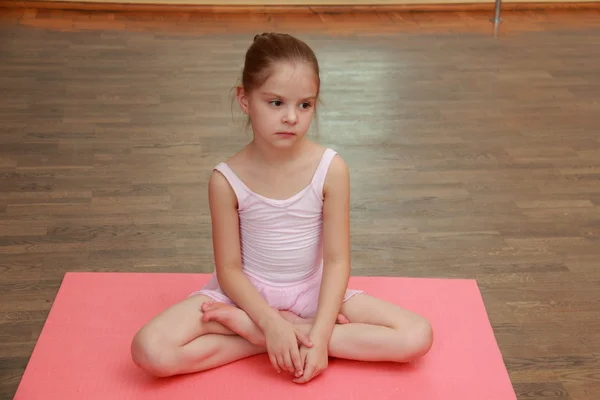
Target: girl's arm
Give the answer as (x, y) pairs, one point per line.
(227, 252)
(336, 248)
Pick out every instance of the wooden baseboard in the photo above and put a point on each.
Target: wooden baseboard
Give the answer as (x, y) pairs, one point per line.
(304, 6)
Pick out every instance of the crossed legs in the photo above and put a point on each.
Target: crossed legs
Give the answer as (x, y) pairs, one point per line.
(198, 334)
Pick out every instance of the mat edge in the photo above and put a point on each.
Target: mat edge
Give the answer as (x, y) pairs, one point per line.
(205, 274)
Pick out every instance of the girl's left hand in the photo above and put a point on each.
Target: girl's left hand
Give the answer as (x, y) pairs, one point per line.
(314, 359)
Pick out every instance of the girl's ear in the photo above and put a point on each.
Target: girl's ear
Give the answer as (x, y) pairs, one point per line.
(242, 99)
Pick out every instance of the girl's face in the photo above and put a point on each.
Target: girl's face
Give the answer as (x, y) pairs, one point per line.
(281, 110)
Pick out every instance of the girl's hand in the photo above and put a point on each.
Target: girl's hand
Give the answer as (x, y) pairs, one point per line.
(282, 341)
(315, 361)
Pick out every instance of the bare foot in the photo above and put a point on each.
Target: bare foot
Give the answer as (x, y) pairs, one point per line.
(235, 319)
(342, 320)
(295, 319)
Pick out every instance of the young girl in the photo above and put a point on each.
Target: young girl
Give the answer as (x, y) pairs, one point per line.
(280, 225)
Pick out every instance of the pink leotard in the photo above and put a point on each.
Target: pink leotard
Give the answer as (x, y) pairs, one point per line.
(281, 243)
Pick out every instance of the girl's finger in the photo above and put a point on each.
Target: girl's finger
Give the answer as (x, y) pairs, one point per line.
(274, 362)
(297, 361)
(281, 363)
(288, 363)
(303, 339)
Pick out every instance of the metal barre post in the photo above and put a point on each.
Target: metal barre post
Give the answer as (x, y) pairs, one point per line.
(497, 19)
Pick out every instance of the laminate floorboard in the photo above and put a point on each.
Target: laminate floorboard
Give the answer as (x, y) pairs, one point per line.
(471, 156)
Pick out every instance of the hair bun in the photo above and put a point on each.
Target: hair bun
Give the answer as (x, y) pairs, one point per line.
(265, 35)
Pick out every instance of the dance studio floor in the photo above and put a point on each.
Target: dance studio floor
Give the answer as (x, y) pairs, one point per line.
(471, 156)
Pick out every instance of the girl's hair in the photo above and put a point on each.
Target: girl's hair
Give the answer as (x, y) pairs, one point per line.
(269, 49)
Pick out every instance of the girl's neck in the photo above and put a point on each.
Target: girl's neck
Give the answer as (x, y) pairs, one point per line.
(274, 157)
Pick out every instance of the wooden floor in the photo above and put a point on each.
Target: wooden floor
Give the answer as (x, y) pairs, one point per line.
(471, 157)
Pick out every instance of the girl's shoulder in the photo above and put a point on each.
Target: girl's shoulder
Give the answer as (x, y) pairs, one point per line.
(238, 160)
(224, 181)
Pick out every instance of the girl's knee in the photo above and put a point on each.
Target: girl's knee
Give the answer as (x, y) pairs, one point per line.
(420, 338)
(153, 355)
(414, 339)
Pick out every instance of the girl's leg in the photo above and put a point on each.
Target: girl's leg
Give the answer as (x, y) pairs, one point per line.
(378, 331)
(177, 341)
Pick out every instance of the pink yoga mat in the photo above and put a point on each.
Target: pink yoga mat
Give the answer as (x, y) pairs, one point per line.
(83, 350)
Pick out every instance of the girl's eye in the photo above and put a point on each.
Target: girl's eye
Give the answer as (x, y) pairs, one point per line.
(276, 103)
(306, 105)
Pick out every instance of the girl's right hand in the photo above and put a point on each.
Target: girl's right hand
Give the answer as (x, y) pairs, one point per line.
(282, 345)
